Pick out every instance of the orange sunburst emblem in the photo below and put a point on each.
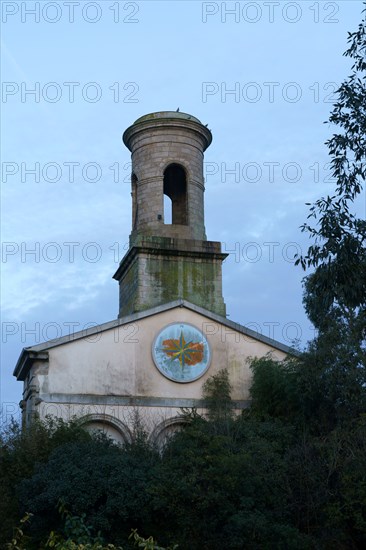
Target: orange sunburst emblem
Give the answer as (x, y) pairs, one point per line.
(188, 353)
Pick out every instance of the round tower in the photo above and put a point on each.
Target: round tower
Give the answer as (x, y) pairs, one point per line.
(167, 159)
(169, 259)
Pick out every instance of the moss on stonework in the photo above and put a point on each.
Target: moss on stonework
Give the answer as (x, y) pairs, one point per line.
(181, 279)
(163, 271)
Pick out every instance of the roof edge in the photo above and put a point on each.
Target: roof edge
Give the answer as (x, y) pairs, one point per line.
(24, 363)
(26, 352)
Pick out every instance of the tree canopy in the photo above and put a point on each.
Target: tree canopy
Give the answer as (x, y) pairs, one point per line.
(289, 472)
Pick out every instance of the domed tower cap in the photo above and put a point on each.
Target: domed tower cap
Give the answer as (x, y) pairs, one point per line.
(166, 119)
(167, 114)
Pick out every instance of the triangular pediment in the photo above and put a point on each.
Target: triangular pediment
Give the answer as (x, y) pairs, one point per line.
(40, 351)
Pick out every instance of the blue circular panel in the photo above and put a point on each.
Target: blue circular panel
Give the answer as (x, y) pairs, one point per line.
(181, 352)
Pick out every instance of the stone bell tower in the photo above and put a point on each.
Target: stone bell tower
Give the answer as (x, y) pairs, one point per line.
(169, 261)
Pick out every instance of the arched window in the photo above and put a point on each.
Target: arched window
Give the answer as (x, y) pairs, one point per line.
(167, 209)
(165, 430)
(175, 187)
(108, 425)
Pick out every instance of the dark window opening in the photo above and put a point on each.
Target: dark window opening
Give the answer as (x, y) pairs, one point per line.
(134, 181)
(175, 187)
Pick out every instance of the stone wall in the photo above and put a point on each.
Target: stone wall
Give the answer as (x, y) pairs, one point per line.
(160, 270)
(155, 144)
(167, 262)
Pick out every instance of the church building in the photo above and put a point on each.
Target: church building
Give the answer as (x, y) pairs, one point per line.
(171, 333)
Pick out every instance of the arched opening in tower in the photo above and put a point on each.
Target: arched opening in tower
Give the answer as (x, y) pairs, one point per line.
(175, 187)
(167, 210)
(134, 181)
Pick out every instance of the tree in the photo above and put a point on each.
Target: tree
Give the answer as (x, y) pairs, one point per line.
(97, 478)
(216, 393)
(77, 537)
(339, 251)
(20, 451)
(275, 390)
(335, 292)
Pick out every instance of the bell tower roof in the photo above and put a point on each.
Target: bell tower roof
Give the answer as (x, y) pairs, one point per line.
(167, 114)
(165, 120)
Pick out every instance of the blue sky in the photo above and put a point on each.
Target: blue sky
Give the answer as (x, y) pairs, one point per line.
(260, 74)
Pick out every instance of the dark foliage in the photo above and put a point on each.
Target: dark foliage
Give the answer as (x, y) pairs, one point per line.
(339, 250)
(289, 473)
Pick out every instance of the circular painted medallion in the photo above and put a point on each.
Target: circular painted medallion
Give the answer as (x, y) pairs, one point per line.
(181, 352)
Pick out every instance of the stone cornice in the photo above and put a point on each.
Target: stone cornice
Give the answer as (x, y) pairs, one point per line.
(26, 359)
(133, 401)
(210, 250)
(169, 121)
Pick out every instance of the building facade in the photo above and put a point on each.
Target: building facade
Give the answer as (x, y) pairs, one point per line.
(171, 333)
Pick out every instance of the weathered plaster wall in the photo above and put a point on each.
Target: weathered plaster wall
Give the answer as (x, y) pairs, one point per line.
(112, 373)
